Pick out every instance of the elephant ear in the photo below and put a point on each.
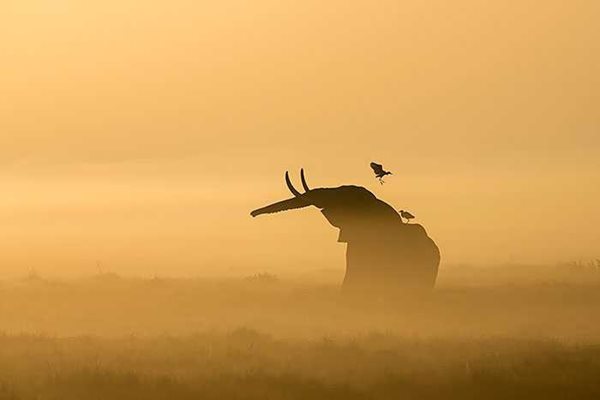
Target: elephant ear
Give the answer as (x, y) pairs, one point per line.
(284, 205)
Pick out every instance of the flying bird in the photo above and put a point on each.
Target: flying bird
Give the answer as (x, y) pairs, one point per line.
(407, 215)
(379, 171)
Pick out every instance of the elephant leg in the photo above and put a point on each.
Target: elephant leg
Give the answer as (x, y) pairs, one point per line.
(355, 264)
(369, 267)
(390, 267)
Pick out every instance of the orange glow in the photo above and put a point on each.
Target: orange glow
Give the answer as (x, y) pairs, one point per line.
(141, 135)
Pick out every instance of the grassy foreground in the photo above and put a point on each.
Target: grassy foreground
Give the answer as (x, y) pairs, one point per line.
(247, 365)
(261, 338)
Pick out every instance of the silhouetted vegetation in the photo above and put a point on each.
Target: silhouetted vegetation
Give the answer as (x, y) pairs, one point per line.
(247, 365)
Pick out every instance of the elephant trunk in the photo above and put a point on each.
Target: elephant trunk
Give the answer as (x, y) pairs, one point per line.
(284, 205)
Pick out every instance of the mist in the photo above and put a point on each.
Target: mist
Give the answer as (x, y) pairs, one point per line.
(136, 139)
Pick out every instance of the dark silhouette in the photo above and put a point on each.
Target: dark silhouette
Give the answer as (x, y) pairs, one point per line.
(382, 251)
(379, 171)
(406, 215)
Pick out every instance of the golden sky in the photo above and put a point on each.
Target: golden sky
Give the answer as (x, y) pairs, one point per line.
(141, 134)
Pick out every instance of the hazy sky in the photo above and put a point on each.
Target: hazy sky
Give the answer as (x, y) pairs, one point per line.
(141, 134)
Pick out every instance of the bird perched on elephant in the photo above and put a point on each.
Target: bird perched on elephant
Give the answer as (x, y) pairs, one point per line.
(383, 254)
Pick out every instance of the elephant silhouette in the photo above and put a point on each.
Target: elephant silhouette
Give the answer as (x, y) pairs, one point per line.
(383, 253)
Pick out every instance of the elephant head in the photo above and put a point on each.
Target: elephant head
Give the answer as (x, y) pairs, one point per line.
(382, 250)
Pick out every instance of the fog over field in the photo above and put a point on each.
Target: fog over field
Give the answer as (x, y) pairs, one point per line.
(529, 334)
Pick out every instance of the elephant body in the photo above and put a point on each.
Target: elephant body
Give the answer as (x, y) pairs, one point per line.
(406, 260)
(383, 253)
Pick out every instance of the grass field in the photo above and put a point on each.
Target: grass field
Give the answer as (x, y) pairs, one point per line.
(109, 337)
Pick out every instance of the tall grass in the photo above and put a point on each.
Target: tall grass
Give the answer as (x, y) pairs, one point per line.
(110, 337)
(247, 365)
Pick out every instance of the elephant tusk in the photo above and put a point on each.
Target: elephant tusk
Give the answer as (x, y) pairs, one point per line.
(290, 186)
(304, 185)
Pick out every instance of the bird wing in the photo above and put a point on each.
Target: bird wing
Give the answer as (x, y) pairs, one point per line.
(377, 168)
